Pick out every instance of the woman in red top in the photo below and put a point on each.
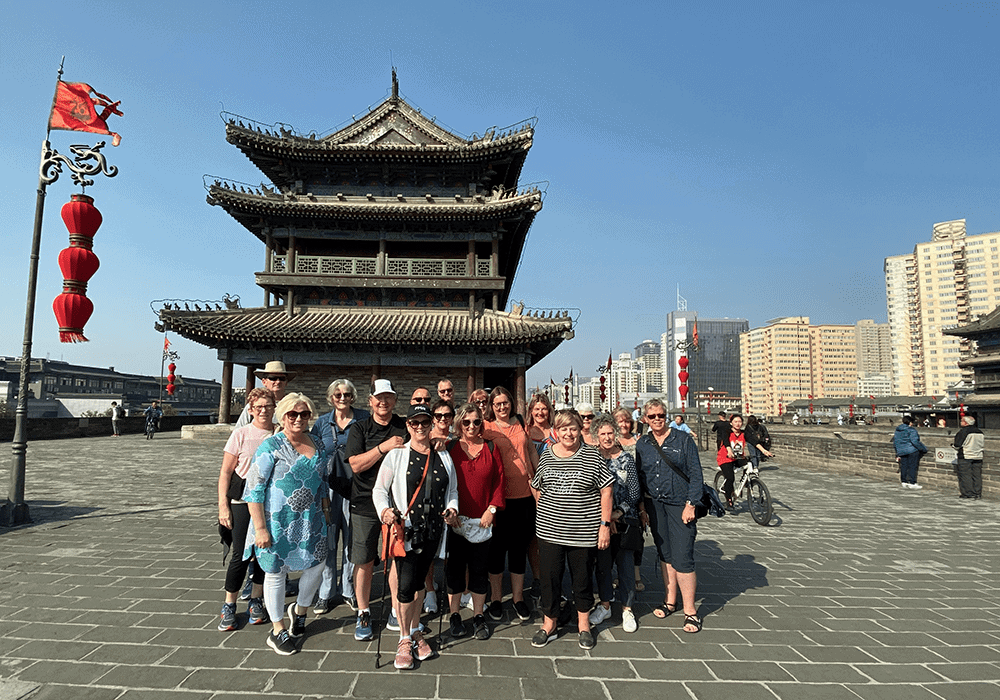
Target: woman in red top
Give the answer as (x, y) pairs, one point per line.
(480, 495)
(732, 453)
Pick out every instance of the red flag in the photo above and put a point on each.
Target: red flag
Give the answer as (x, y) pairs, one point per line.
(552, 381)
(695, 333)
(609, 361)
(166, 344)
(75, 109)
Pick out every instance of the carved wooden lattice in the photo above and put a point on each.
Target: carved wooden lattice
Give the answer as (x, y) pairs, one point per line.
(278, 263)
(454, 268)
(483, 267)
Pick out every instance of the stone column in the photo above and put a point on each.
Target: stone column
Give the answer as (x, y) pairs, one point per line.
(470, 383)
(519, 395)
(227, 392)
(251, 380)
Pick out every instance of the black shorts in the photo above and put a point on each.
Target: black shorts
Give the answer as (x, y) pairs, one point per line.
(366, 530)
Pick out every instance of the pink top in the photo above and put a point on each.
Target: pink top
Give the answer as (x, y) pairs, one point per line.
(514, 444)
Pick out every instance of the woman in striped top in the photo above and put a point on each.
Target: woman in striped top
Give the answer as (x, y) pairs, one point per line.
(573, 487)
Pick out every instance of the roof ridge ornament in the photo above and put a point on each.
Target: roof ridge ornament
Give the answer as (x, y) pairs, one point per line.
(395, 86)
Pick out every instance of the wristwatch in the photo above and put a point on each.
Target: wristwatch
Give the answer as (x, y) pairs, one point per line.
(605, 523)
(493, 510)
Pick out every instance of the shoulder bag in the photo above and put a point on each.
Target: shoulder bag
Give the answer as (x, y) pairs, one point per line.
(709, 503)
(393, 536)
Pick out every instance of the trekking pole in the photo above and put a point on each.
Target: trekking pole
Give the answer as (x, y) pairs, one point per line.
(385, 585)
(443, 600)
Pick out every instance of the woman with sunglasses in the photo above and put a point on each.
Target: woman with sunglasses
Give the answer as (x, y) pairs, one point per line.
(672, 518)
(332, 430)
(444, 420)
(574, 521)
(233, 511)
(287, 495)
(480, 496)
(586, 412)
(540, 422)
(627, 440)
(515, 526)
(415, 473)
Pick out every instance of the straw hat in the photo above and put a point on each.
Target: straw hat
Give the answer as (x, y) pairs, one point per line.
(274, 367)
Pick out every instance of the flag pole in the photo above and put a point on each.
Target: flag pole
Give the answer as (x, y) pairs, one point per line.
(14, 510)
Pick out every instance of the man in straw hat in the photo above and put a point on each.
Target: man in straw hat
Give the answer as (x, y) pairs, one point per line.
(275, 378)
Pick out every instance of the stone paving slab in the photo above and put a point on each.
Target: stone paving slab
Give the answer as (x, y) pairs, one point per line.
(857, 589)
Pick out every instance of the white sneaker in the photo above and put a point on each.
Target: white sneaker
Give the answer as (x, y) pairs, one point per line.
(430, 602)
(628, 621)
(916, 487)
(467, 601)
(905, 485)
(599, 615)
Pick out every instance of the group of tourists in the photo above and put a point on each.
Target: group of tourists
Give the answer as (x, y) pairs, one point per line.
(476, 485)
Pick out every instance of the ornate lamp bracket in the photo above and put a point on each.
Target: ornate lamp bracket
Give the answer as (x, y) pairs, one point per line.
(87, 161)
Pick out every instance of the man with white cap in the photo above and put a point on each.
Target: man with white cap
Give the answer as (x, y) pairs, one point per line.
(275, 378)
(367, 444)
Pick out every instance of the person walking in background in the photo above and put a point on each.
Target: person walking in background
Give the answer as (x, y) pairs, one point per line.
(969, 442)
(909, 450)
(679, 424)
(153, 414)
(721, 429)
(116, 414)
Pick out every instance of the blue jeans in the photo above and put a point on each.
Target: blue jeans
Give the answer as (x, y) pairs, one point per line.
(614, 555)
(908, 467)
(339, 529)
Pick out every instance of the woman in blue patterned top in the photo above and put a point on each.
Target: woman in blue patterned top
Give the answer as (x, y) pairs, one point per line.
(286, 493)
(624, 514)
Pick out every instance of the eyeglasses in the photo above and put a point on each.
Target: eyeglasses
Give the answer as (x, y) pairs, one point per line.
(443, 416)
(295, 415)
(656, 416)
(500, 404)
(589, 416)
(263, 407)
(421, 399)
(481, 402)
(419, 424)
(343, 396)
(472, 421)
(276, 378)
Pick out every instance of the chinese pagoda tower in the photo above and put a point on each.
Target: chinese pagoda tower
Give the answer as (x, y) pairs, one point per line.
(390, 248)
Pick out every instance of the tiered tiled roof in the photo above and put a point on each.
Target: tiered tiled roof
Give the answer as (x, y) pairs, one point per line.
(366, 325)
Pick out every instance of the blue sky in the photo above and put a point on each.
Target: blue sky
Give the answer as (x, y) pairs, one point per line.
(764, 157)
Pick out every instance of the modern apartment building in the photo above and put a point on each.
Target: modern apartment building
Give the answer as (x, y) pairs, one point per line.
(714, 366)
(791, 359)
(949, 281)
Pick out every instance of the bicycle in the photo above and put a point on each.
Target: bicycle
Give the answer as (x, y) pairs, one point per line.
(758, 497)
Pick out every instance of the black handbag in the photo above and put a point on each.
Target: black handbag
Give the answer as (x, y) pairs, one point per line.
(709, 503)
(630, 531)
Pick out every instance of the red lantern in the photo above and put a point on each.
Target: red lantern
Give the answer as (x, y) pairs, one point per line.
(73, 310)
(171, 388)
(683, 376)
(683, 390)
(78, 264)
(683, 361)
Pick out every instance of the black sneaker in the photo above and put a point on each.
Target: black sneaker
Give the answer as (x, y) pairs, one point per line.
(542, 638)
(479, 627)
(323, 606)
(456, 626)
(256, 613)
(522, 611)
(586, 640)
(297, 623)
(291, 587)
(495, 610)
(567, 612)
(282, 643)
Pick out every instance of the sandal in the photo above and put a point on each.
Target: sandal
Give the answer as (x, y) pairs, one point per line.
(693, 621)
(665, 610)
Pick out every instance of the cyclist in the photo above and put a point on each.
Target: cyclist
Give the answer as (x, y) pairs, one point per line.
(732, 453)
(757, 440)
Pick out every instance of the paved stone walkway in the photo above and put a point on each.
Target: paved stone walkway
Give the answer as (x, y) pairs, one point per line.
(857, 590)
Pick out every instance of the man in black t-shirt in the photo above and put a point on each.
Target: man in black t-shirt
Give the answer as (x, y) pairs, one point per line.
(367, 444)
(721, 428)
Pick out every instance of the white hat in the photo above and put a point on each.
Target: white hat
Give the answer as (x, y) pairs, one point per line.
(382, 386)
(274, 367)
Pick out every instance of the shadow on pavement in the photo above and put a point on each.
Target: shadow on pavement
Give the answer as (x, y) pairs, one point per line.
(721, 580)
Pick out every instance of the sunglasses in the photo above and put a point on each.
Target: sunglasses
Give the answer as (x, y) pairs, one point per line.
(589, 416)
(295, 415)
(276, 378)
(264, 407)
(343, 396)
(656, 416)
(421, 399)
(443, 416)
(474, 421)
(419, 424)
(481, 402)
